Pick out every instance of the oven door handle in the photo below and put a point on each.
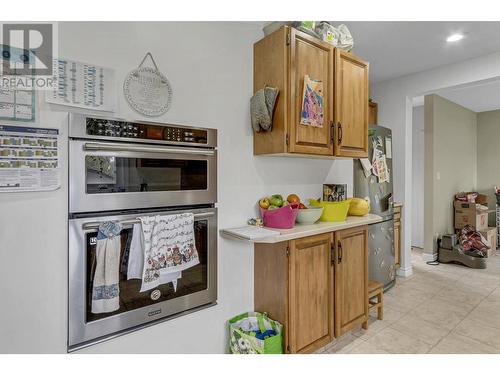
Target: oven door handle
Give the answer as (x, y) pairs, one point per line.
(95, 224)
(149, 149)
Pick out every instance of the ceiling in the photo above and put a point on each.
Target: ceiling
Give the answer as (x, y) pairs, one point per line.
(478, 97)
(396, 49)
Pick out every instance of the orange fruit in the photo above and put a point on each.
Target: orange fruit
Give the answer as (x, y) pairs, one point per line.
(293, 198)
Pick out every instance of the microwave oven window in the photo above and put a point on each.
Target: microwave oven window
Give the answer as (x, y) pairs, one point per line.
(192, 280)
(110, 174)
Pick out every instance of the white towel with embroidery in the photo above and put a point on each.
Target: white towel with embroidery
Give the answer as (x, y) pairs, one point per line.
(135, 267)
(105, 286)
(168, 246)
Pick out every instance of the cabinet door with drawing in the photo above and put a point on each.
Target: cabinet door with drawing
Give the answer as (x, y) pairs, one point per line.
(311, 105)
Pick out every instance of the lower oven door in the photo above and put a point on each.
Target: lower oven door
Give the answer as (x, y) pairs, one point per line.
(196, 287)
(107, 176)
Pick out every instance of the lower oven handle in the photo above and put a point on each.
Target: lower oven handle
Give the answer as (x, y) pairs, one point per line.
(137, 148)
(95, 224)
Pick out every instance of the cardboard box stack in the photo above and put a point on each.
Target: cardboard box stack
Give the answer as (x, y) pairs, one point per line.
(472, 209)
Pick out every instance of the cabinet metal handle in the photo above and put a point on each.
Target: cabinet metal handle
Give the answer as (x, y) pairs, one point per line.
(332, 255)
(332, 132)
(340, 252)
(339, 125)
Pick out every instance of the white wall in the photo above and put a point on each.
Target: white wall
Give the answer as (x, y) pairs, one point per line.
(395, 111)
(450, 165)
(417, 207)
(210, 68)
(488, 160)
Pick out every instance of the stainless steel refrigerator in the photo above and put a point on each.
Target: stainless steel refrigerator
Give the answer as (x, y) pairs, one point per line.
(380, 235)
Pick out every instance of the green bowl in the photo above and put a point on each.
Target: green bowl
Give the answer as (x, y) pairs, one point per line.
(308, 215)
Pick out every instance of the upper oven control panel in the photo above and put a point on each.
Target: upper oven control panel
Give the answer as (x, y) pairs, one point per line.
(124, 129)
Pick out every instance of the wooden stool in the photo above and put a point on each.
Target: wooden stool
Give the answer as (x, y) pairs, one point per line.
(375, 289)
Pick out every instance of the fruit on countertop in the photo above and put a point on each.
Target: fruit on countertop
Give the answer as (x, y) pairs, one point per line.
(302, 206)
(359, 207)
(276, 200)
(264, 203)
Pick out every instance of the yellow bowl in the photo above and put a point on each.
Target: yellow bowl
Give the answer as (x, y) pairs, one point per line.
(332, 211)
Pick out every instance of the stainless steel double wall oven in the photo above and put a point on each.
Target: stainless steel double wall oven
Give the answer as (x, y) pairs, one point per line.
(121, 170)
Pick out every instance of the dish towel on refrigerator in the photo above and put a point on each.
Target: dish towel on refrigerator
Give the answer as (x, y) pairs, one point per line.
(105, 288)
(168, 246)
(135, 266)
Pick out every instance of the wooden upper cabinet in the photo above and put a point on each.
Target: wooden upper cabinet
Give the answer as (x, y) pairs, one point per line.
(311, 300)
(283, 59)
(351, 105)
(372, 113)
(351, 278)
(314, 58)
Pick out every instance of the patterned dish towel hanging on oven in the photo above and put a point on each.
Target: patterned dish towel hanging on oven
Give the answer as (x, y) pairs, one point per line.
(168, 246)
(135, 267)
(105, 287)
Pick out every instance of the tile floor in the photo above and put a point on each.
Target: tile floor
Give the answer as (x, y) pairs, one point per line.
(439, 309)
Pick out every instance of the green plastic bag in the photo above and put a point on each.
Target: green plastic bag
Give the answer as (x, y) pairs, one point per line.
(242, 336)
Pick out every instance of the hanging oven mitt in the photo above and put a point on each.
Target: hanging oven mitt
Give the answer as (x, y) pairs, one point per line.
(262, 107)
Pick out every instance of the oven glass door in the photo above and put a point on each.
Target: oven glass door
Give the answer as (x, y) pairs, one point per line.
(139, 176)
(191, 280)
(120, 174)
(195, 286)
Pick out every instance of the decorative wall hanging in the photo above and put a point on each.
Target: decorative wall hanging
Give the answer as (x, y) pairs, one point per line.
(83, 85)
(147, 90)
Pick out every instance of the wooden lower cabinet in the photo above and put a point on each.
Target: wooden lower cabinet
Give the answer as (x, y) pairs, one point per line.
(351, 279)
(311, 300)
(314, 290)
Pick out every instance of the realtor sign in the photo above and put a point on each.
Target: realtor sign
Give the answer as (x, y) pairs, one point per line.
(28, 52)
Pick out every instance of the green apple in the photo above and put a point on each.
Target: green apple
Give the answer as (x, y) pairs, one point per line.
(276, 200)
(272, 207)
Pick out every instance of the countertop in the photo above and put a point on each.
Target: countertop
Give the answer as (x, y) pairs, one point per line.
(305, 230)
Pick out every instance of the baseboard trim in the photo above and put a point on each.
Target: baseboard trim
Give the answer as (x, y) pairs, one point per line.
(404, 272)
(426, 257)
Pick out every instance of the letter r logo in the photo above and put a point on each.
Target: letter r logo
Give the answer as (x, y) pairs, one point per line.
(27, 48)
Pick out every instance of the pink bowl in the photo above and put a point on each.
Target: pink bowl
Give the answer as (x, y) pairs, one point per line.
(281, 218)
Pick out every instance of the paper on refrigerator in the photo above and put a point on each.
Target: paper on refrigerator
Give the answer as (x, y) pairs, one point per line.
(367, 166)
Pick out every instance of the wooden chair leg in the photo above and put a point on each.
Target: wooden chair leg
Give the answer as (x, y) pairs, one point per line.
(380, 308)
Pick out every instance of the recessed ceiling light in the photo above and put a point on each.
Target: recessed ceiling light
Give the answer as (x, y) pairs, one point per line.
(454, 38)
